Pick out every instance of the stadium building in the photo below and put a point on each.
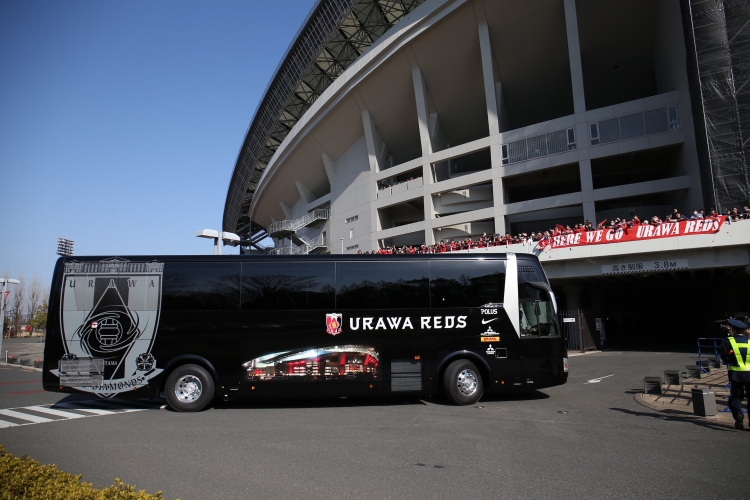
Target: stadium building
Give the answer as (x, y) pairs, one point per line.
(402, 122)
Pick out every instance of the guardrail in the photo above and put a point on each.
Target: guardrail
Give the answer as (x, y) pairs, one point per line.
(558, 141)
(308, 245)
(291, 226)
(400, 187)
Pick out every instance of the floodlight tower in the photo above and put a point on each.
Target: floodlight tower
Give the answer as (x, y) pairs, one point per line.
(65, 247)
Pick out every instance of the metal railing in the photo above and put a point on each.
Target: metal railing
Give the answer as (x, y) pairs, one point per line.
(621, 128)
(291, 226)
(308, 245)
(558, 141)
(709, 347)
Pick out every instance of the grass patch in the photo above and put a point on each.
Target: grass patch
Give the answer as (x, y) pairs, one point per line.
(25, 478)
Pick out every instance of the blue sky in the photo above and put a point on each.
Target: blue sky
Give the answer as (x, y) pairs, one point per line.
(120, 121)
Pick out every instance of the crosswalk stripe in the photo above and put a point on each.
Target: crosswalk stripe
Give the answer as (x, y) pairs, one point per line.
(24, 416)
(85, 408)
(50, 411)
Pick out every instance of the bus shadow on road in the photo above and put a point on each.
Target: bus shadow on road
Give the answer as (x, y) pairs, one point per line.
(674, 418)
(329, 402)
(515, 396)
(92, 401)
(351, 402)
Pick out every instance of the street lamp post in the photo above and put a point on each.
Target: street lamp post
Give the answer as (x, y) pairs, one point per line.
(227, 238)
(5, 282)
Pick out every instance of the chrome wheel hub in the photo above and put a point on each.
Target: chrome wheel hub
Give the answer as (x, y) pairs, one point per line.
(188, 389)
(467, 382)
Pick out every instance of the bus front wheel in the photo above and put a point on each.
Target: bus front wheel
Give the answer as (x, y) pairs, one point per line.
(189, 388)
(463, 382)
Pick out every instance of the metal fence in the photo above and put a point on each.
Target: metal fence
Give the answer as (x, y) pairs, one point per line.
(293, 225)
(308, 245)
(552, 143)
(575, 325)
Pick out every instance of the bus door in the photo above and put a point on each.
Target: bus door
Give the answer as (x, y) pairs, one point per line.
(285, 306)
(540, 336)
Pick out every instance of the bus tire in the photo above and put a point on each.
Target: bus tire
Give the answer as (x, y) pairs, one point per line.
(463, 382)
(189, 388)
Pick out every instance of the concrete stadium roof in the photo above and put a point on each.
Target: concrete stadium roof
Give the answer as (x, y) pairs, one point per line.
(334, 34)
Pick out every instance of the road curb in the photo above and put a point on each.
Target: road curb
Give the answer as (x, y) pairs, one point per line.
(715, 420)
(574, 354)
(3, 363)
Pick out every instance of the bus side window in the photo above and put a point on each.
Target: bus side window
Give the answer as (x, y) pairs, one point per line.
(289, 286)
(382, 285)
(190, 286)
(466, 283)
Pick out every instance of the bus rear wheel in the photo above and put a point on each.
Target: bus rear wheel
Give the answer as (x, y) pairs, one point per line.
(463, 382)
(189, 388)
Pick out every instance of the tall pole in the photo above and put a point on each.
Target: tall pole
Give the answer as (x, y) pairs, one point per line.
(2, 308)
(2, 314)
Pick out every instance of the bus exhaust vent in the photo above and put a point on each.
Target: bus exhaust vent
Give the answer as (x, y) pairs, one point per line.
(525, 269)
(406, 375)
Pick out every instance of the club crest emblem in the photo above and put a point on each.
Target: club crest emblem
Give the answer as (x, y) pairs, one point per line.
(109, 315)
(333, 323)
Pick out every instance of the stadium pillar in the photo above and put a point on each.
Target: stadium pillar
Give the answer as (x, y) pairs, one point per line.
(420, 93)
(574, 56)
(579, 106)
(587, 191)
(491, 85)
(488, 70)
(423, 117)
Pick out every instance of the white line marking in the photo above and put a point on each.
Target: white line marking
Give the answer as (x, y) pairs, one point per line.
(60, 410)
(50, 411)
(24, 416)
(597, 380)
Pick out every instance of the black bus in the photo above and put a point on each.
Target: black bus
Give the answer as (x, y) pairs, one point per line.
(199, 327)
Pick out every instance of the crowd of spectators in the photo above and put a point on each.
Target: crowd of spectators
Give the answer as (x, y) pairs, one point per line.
(486, 241)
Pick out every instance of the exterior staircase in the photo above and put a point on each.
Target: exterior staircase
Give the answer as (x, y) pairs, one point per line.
(306, 246)
(289, 228)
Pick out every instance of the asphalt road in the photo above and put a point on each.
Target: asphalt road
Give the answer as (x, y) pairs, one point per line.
(584, 440)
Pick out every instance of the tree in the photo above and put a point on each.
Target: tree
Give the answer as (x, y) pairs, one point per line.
(39, 320)
(36, 296)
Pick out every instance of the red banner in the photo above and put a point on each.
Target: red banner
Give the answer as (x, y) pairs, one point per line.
(635, 233)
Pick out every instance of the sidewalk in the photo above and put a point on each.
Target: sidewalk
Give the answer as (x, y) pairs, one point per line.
(573, 354)
(679, 402)
(23, 351)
